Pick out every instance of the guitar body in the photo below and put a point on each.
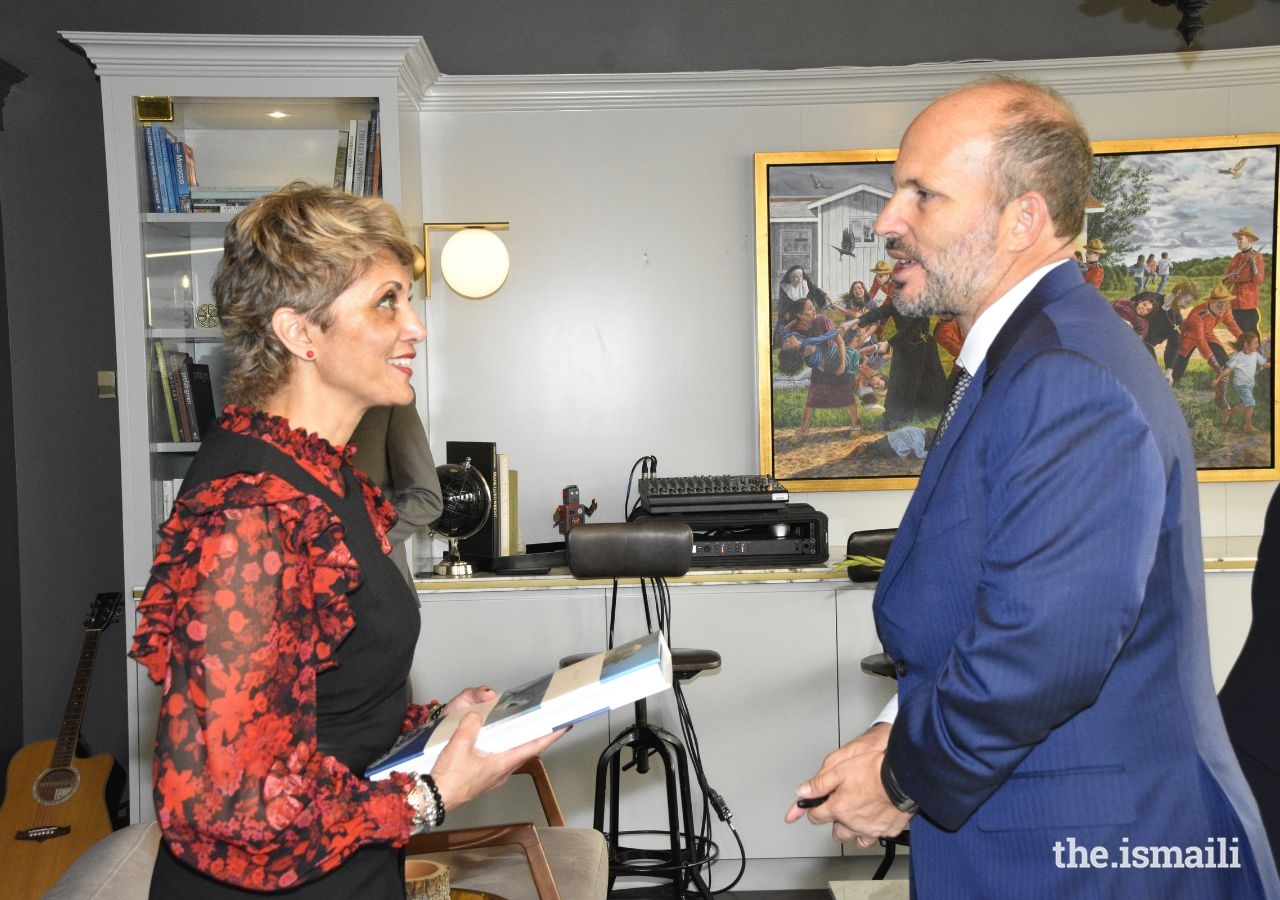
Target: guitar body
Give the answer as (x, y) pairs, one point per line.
(49, 817)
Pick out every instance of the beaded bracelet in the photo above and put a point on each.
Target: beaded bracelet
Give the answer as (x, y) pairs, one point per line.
(432, 813)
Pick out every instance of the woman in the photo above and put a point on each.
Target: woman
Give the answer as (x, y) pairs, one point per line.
(279, 628)
(832, 386)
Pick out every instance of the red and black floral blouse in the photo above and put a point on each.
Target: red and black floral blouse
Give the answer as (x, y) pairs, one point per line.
(246, 603)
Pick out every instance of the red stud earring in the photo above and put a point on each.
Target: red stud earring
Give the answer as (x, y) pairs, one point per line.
(311, 354)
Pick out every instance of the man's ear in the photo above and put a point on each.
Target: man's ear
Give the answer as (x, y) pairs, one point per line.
(1026, 220)
(293, 331)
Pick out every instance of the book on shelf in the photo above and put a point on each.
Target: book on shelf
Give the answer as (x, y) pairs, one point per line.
(189, 162)
(601, 682)
(377, 164)
(513, 507)
(159, 136)
(481, 548)
(348, 171)
(361, 157)
(205, 409)
(156, 204)
(503, 522)
(340, 158)
(182, 187)
(370, 152)
(169, 429)
(174, 359)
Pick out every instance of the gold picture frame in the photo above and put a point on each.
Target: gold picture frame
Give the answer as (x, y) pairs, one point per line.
(1177, 195)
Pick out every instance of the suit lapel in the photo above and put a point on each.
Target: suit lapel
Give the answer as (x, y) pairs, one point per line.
(1056, 282)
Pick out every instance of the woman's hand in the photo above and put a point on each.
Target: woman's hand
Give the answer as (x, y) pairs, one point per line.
(463, 773)
(468, 698)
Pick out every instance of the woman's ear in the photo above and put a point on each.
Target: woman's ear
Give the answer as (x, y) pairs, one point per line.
(293, 331)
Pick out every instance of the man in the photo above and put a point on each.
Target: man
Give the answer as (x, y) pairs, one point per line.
(1093, 272)
(1043, 597)
(1199, 333)
(1244, 277)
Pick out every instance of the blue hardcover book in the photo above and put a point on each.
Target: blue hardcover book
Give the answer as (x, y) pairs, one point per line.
(180, 176)
(601, 682)
(162, 167)
(172, 184)
(153, 175)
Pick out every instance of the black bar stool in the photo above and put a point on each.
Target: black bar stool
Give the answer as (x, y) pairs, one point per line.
(647, 550)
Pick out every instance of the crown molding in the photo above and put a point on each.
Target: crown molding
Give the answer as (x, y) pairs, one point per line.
(262, 55)
(808, 87)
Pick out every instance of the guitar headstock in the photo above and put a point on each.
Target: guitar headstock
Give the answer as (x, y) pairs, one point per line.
(105, 609)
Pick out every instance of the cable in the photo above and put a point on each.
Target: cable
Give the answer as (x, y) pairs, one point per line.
(648, 468)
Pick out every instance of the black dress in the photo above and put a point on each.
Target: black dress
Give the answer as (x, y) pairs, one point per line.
(360, 703)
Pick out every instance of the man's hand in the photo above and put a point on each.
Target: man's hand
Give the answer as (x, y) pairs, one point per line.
(857, 805)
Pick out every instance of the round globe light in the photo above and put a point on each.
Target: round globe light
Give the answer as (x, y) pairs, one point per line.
(474, 263)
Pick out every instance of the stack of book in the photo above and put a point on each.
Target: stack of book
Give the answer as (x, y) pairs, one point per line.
(357, 166)
(182, 395)
(225, 199)
(171, 169)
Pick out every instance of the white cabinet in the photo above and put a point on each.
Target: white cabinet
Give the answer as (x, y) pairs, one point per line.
(225, 92)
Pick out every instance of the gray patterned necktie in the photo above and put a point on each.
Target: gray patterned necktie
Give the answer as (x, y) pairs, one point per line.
(957, 394)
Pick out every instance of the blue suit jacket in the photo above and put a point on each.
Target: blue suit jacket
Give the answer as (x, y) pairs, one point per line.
(1044, 595)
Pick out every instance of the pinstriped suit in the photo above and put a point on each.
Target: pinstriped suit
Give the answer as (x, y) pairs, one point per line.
(1045, 594)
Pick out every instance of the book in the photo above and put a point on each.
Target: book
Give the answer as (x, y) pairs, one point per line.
(171, 182)
(503, 522)
(162, 166)
(349, 170)
(603, 681)
(189, 161)
(340, 158)
(153, 174)
(180, 176)
(513, 504)
(481, 549)
(206, 410)
(173, 359)
(188, 401)
(165, 391)
(361, 156)
(370, 149)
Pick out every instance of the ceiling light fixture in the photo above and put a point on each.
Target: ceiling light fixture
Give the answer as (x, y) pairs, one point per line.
(1190, 25)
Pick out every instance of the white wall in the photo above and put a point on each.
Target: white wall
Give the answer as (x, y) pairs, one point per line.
(626, 326)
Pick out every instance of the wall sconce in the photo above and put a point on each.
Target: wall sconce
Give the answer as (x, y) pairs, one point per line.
(474, 261)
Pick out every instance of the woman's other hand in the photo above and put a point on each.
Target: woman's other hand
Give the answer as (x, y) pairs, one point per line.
(463, 773)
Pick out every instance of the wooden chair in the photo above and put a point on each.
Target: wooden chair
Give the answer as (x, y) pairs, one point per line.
(555, 862)
(547, 863)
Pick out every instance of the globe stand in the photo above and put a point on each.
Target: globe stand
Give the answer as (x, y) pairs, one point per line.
(452, 565)
(467, 505)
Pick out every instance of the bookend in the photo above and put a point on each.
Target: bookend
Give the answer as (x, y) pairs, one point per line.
(649, 551)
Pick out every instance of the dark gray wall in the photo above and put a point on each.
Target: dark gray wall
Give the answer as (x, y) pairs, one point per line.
(65, 507)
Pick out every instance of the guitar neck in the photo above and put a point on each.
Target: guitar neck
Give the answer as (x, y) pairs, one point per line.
(69, 733)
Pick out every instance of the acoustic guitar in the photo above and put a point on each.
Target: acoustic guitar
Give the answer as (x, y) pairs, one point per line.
(55, 806)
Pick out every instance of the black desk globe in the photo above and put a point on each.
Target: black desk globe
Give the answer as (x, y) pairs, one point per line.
(467, 504)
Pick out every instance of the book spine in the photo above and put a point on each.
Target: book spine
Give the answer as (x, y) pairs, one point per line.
(202, 397)
(362, 144)
(371, 144)
(503, 499)
(162, 385)
(377, 164)
(180, 177)
(174, 361)
(184, 373)
(162, 167)
(153, 174)
(349, 171)
(340, 159)
(189, 162)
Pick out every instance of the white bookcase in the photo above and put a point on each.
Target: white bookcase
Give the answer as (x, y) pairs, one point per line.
(222, 88)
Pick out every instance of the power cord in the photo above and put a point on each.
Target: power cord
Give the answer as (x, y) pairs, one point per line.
(711, 798)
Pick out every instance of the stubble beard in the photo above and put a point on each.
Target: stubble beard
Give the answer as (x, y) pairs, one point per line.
(957, 281)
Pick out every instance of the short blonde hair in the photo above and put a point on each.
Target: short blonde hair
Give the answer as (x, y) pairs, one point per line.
(298, 247)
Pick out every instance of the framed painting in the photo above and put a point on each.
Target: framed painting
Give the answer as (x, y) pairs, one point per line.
(849, 392)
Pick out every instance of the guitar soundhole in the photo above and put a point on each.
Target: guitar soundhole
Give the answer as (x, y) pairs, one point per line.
(55, 786)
